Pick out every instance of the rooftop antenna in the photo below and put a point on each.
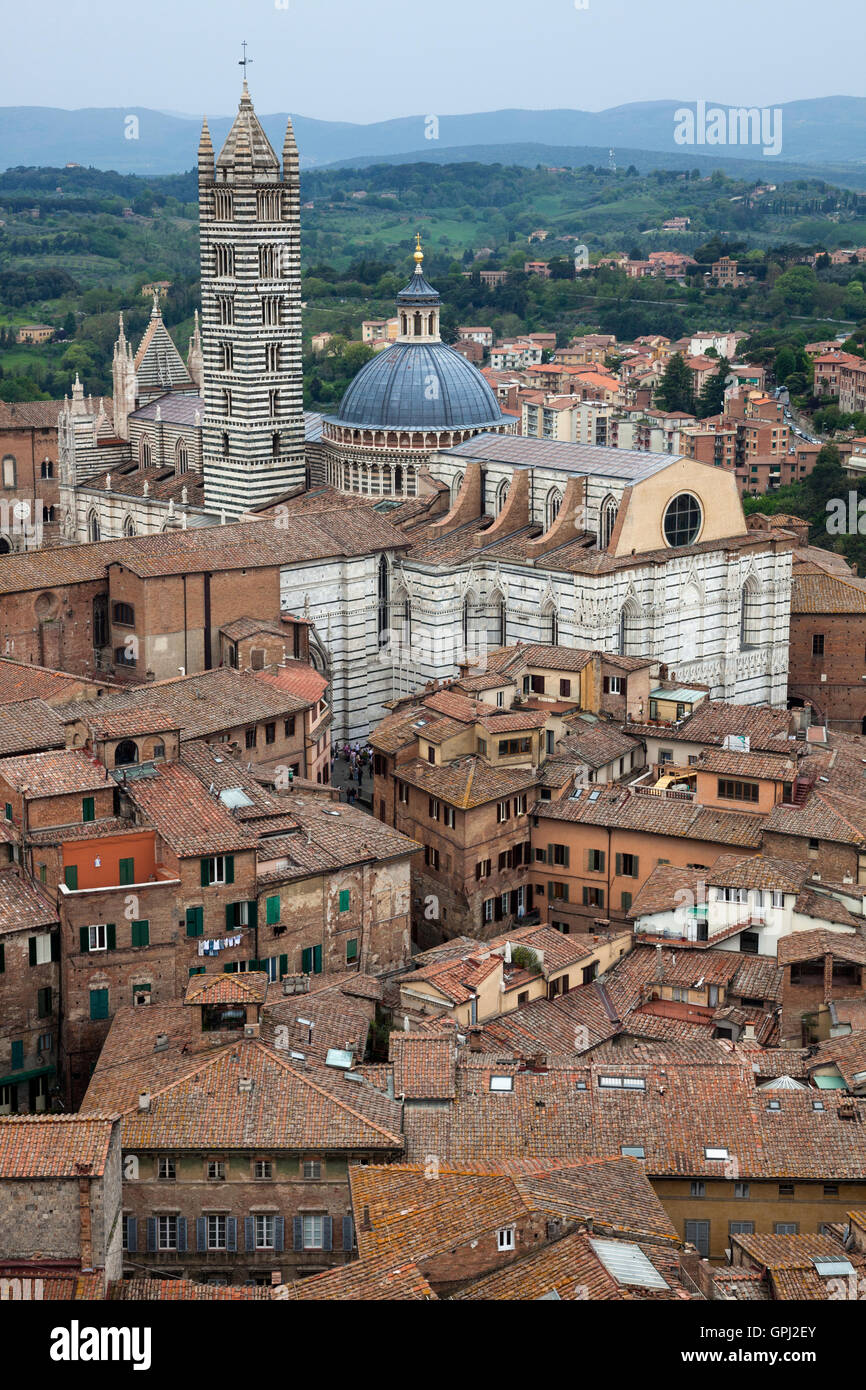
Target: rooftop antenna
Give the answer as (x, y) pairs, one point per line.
(611, 157)
(245, 61)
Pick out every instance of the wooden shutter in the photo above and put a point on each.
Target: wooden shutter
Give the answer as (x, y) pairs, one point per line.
(132, 1234)
(194, 921)
(252, 913)
(200, 1233)
(348, 1233)
(2, 958)
(205, 876)
(297, 1233)
(249, 1233)
(181, 1234)
(151, 1233)
(230, 915)
(230, 868)
(618, 865)
(272, 910)
(317, 960)
(635, 866)
(70, 876)
(111, 936)
(84, 938)
(605, 685)
(327, 1233)
(284, 966)
(31, 947)
(565, 856)
(279, 1233)
(55, 945)
(231, 1233)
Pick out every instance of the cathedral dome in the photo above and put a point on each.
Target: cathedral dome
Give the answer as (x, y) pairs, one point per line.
(424, 385)
(419, 382)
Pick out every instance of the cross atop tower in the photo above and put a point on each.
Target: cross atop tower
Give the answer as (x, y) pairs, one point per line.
(245, 61)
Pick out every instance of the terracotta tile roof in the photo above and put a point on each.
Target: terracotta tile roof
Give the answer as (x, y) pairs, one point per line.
(808, 945)
(297, 678)
(713, 720)
(468, 782)
(287, 1107)
(514, 720)
(595, 744)
(457, 980)
(56, 1286)
(664, 889)
(756, 871)
(763, 766)
(190, 820)
(54, 1146)
(128, 723)
(549, 658)
(59, 773)
(824, 816)
(88, 830)
(825, 593)
(367, 1280)
(19, 680)
(30, 726)
(423, 1065)
(41, 415)
(144, 1290)
(234, 988)
(573, 1269)
(824, 908)
(22, 905)
(656, 815)
(338, 835)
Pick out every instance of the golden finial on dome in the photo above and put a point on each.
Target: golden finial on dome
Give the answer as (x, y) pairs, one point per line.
(419, 254)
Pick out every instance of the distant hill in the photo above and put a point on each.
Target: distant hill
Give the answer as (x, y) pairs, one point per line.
(827, 133)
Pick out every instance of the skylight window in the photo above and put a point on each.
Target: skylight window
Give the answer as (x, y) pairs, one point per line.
(715, 1153)
(502, 1083)
(628, 1264)
(632, 1151)
(830, 1269)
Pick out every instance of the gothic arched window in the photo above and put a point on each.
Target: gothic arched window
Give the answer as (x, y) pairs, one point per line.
(128, 526)
(607, 521)
(501, 495)
(93, 532)
(750, 614)
(145, 456)
(632, 637)
(181, 457)
(550, 624)
(552, 505)
(384, 599)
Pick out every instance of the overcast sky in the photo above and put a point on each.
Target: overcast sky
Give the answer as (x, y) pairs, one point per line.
(367, 60)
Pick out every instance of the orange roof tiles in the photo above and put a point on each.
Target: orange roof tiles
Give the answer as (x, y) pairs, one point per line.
(54, 1146)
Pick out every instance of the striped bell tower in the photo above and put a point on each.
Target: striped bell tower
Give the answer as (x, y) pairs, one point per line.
(253, 437)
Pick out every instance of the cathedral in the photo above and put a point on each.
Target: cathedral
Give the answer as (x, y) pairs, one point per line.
(496, 538)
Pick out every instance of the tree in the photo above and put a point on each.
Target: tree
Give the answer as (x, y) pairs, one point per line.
(712, 398)
(675, 390)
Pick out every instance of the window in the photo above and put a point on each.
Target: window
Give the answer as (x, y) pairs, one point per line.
(97, 937)
(682, 520)
(166, 1169)
(272, 357)
(250, 737)
(9, 471)
(831, 1189)
(270, 733)
(817, 644)
(46, 468)
(43, 1002)
(222, 205)
(313, 1232)
(595, 860)
(741, 1189)
(216, 1232)
(786, 1228)
(124, 615)
(565, 688)
(786, 1189)
(263, 1168)
(40, 948)
(698, 1188)
(70, 877)
(627, 866)
(345, 898)
(129, 1237)
(166, 1232)
(216, 1170)
(272, 909)
(88, 809)
(503, 811)
(124, 656)
(510, 747)
(127, 870)
(741, 1228)
(311, 960)
(431, 857)
(219, 868)
(625, 902)
(632, 1150)
(448, 817)
(729, 790)
(45, 1042)
(487, 909)
(312, 1169)
(592, 897)
(98, 1004)
(141, 933)
(289, 727)
(613, 685)
(195, 921)
(351, 950)
(502, 1083)
(698, 1235)
(432, 808)
(505, 1238)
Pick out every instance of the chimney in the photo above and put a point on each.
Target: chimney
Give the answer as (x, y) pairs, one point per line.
(660, 965)
(144, 1102)
(245, 1084)
(161, 1042)
(366, 1223)
(475, 1042)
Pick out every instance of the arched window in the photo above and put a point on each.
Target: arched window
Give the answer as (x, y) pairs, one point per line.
(497, 620)
(124, 614)
(607, 521)
(690, 623)
(100, 621)
(550, 624)
(750, 614)
(93, 533)
(384, 600)
(181, 457)
(128, 526)
(144, 452)
(456, 485)
(501, 495)
(552, 505)
(632, 636)
(418, 326)
(125, 753)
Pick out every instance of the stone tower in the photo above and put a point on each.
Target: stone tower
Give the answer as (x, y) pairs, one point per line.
(123, 383)
(253, 438)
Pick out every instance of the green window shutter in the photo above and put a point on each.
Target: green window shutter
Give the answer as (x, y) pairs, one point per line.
(17, 1056)
(230, 968)
(317, 960)
(565, 862)
(252, 913)
(344, 900)
(88, 809)
(618, 865)
(549, 889)
(230, 868)
(70, 876)
(195, 920)
(205, 876)
(31, 947)
(230, 914)
(110, 936)
(98, 1004)
(352, 949)
(2, 958)
(565, 892)
(127, 871)
(284, 966)
(141, 933)
(8, 811)
(307, 961)
(272, 910)
(84, 938)
(636, 867)
(196, 970)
